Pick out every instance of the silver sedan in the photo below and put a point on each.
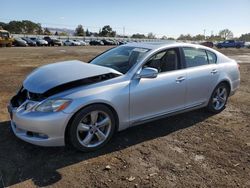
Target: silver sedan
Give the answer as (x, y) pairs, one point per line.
(86, 103)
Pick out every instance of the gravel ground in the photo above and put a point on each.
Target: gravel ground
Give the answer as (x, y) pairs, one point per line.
(194, 149)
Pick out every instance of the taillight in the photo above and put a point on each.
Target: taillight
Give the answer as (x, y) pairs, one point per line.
(238, 66)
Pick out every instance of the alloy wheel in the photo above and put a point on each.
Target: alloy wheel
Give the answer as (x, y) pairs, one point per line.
(220, 98)
(94, 129)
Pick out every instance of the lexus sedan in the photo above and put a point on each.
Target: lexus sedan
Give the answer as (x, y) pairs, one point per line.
(86, 103)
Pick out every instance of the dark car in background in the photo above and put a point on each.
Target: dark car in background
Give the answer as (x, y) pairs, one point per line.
(230, 44)
(96, 43)
(108, 42)
(29, 41)
(53, 41)
(39, 41)
(207, 44)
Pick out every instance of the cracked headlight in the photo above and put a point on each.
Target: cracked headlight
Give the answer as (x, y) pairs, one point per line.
(53, 105)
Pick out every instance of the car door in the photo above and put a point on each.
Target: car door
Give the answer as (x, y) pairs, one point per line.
(202, 75)
(151, 97)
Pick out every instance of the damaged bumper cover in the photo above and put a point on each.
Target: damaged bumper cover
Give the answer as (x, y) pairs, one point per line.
(48, 128)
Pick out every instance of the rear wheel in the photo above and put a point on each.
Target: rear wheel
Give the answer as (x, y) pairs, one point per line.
(219, 97)
(92, 128)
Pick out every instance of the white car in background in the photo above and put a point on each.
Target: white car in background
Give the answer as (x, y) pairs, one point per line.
(82, 43)
(71, 43)
(247, 44)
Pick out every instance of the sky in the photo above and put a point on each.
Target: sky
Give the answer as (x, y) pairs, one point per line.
(162, 17)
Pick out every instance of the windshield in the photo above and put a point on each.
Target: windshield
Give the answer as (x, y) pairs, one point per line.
(121, 58)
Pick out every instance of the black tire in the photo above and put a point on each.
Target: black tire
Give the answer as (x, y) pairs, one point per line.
(210, 106)
(72, 130)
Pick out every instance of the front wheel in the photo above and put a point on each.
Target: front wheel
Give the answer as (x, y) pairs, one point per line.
(218, 99)
(92, 128)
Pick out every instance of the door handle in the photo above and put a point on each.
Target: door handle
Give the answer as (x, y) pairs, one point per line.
(180, 79)
(214, 71)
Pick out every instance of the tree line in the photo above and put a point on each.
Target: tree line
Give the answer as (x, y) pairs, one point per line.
(29, 27)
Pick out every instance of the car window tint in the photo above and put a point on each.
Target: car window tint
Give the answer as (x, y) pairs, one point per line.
(164, 61)
(195, 57)
(212, 58)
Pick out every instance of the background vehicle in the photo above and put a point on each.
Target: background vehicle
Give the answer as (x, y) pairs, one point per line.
(230, 44)
(29, 41)
(247, 44)
(90, 101)
(71, 43)
(96, 43)
(5, 38)
(52, 41)
(20, 42)
(207, 44)
(39, 41)
(83, 43)
(77, 42)
(108, 42)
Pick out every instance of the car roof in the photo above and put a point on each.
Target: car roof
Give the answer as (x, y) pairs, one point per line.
(150, 45)
(165, 44)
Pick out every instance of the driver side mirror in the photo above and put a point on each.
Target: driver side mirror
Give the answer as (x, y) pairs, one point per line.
(147, 72)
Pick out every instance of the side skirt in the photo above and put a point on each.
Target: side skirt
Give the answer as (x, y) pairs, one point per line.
(171, 113)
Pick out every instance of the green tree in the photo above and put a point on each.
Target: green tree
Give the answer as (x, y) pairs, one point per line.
(151, 35)
(107, 31)
(39, 29)
(23, 27)
(88, 34)
(226, 34)
(3, 25)
(15, 27)
(63, 34)
(79, 31)
(185, 37)
(199, 37)
(245, 37)
(164, 37)
(214, 38)
(138, 36)
(47, 31)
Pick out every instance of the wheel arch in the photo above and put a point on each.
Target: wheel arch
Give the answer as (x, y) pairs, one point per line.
(66, 132)
(227, 82)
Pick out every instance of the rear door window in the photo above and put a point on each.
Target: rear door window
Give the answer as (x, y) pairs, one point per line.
(195, 57)
(212, 58)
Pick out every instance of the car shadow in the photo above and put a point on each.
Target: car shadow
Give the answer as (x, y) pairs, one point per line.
(20, 161)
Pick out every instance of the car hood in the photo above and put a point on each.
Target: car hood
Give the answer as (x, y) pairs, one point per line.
(64, 75)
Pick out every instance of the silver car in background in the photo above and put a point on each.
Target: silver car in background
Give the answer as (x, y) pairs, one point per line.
(86, 103)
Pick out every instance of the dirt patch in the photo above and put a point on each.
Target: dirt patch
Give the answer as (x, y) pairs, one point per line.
(188, 150)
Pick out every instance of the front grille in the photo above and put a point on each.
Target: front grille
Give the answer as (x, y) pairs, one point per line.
(35, 96)
(22, 95)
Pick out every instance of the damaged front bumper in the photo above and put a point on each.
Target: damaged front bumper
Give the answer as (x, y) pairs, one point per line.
(39, 128)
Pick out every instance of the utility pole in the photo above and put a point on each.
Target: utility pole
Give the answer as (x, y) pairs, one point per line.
(205, 34)
(123, 31)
